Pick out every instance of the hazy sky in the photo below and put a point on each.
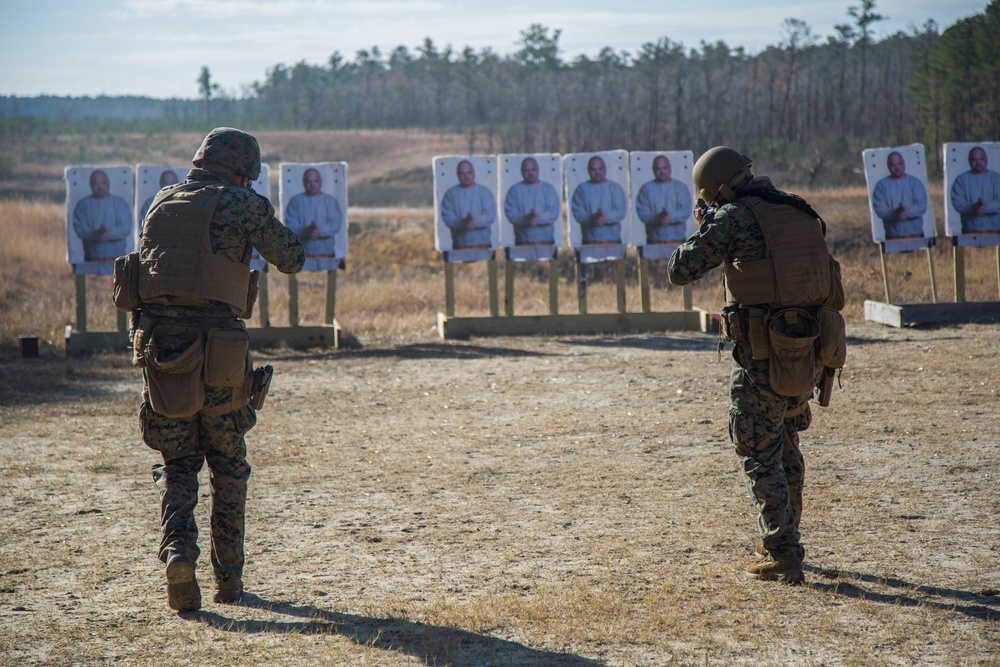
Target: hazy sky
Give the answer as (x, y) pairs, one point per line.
(157, 47)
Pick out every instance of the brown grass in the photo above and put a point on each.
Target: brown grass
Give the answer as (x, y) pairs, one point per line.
(533, 501)
(394, 282)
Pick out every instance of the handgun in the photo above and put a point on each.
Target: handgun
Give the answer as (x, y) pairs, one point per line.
(261, 383)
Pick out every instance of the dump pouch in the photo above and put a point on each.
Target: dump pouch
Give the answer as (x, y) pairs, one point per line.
(125, 292)
(792, 334)
(175, 356)
(227, 357)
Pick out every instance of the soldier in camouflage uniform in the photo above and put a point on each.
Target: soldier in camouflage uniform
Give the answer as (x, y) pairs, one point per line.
(763, 425)
(226, 163)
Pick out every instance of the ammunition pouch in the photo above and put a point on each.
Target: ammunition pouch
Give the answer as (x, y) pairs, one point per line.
(734, 323)
(252, 290)
(747, 324)
(227, 357)
(796, 341)
(181, 359)
(125, 292)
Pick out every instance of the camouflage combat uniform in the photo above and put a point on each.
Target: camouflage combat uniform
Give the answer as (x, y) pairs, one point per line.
(766, 438)
(243, 220)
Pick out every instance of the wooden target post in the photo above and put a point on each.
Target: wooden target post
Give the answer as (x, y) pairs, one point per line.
(80, 340)
(959, 256)
(583, 322)
(900, 315)
(327, 333)
(927, 244)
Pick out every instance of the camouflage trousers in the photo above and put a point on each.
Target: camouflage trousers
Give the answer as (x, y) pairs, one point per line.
(766, 439)
(186, 444)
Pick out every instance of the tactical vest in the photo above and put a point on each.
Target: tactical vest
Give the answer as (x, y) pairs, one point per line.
(795, 270)
(177, 264)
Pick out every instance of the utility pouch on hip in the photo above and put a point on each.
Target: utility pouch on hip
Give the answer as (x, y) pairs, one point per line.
(837, 298)
(757, 332)
(227, 357)
(125, 293)
(832, 350)
(793, 333)
(175, 355)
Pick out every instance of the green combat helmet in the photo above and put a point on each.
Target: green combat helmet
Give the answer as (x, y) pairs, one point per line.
(721, 170)
(229, 150)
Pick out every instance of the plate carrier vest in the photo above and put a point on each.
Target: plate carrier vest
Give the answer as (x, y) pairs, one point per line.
(795, 270)
(177, 264)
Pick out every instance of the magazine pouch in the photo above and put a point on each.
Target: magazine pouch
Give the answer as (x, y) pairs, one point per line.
(832, 351)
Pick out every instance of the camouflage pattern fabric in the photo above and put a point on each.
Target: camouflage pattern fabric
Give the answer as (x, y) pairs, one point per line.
(185, 445)
(226, 149)
(242, 221)
(765, 440)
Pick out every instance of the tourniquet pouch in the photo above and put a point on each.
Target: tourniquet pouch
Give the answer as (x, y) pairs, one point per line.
(227, 357)
(175, 357)
(140, 338)
(832, 352)
(126, 282)
(793, 333)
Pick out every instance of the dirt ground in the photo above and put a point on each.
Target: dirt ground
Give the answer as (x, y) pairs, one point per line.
(517, 501)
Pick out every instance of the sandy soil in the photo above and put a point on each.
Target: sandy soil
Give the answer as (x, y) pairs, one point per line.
(517, 501)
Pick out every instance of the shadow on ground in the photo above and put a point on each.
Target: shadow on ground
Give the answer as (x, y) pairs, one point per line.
(434, 645)
(450, 350)
(983, 605)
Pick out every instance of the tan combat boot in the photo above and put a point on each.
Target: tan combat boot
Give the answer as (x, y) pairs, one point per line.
(227, 592)
(773, 570)
(183, 593)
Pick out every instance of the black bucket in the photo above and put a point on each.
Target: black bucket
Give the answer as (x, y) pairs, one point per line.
(29, 346)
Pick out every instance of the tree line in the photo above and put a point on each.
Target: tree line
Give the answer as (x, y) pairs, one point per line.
(807, 104)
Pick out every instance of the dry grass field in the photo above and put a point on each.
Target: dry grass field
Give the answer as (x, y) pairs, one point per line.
(524, 501)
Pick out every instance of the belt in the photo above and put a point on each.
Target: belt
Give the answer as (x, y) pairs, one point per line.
(481, 246)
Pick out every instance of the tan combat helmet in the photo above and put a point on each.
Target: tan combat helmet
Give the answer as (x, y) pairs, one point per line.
(233, 150)
(721, 170)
